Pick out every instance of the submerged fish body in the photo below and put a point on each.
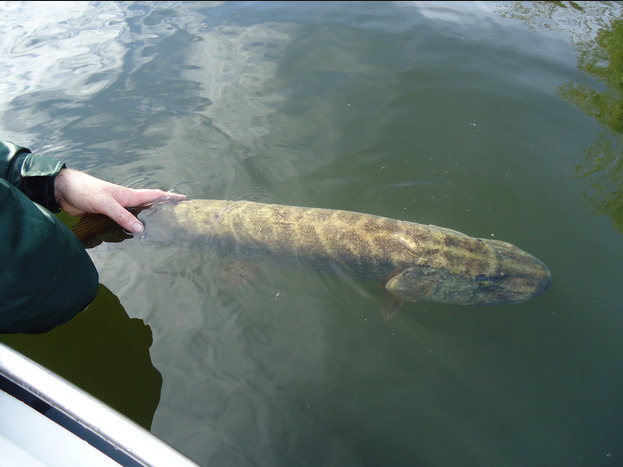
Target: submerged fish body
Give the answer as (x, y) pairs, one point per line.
(413, 261)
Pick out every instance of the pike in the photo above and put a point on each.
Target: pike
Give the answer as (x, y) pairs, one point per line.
(413, 262)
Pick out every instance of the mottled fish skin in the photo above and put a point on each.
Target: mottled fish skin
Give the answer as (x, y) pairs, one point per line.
(414, 261)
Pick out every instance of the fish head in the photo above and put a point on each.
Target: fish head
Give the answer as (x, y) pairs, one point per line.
(492, 272)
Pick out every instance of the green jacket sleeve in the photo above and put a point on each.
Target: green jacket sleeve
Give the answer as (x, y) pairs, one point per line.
(30, 173)
(46, 276)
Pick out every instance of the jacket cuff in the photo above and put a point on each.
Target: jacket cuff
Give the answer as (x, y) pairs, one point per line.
(37, 179)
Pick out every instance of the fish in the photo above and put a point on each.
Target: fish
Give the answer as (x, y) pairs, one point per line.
(412, 261)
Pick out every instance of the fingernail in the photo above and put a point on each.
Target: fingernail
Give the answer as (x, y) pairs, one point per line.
(137, 228)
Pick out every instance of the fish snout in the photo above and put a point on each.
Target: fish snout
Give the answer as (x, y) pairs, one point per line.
(519, 276)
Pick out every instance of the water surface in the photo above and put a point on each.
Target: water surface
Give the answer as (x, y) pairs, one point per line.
(497, 119)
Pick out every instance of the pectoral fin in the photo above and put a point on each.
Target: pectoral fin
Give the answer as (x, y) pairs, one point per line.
(391, 305)
(409, 284)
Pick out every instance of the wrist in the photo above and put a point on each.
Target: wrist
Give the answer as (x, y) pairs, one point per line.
(59, 184)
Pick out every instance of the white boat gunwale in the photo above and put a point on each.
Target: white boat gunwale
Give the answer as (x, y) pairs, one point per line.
(89, 419)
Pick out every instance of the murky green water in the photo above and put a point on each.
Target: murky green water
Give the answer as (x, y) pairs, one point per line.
(497, 119)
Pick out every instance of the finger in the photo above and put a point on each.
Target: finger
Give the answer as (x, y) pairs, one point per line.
(130, 197)
(124, 218)
(69, 209)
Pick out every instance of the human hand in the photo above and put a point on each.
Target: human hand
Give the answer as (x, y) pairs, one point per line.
(78, 193)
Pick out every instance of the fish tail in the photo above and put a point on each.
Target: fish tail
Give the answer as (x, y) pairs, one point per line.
(93, 229)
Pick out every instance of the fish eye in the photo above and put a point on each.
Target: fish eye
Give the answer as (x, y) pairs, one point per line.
(481, 279)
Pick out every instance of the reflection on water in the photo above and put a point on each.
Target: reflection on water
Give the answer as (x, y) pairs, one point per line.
(477, 116)
(596, 30)
(47, 56)
(105, 353)
(602, 169)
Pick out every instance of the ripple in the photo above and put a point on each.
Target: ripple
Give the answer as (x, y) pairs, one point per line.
(60, 46)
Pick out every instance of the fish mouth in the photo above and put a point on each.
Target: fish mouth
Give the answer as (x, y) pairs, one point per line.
(519, 276)
(519, 291)
(544, 283)
(516, 290)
